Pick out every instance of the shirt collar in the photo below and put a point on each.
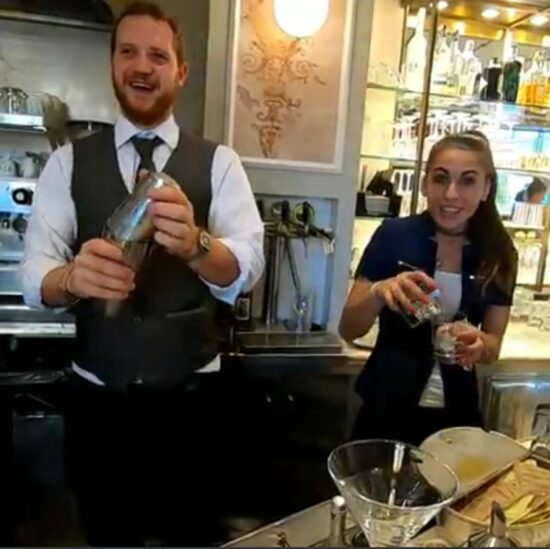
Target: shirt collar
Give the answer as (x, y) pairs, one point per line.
(168, 131)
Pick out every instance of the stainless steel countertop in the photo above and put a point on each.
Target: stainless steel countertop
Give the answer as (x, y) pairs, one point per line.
(521, 345)
(310, 528)
(37, 329)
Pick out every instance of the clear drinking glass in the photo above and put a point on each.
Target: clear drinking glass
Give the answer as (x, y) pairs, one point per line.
(392, 489)
(445, 332)
(423, 311)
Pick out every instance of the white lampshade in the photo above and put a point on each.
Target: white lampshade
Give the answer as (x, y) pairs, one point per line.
(301, 18)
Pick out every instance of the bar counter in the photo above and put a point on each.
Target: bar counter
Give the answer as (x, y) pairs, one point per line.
(521, 343)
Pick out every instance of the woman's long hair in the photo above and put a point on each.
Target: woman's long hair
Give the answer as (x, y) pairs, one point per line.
(485, 228)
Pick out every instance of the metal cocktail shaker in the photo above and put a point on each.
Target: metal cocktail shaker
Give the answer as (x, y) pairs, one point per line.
(130, 227)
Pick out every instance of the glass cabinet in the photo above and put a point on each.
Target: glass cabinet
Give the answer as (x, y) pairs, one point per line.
(480, 68)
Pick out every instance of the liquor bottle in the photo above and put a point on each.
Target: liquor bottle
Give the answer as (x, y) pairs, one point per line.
(471, 71)
(130, 227)
(547, 91)
(540, 80)
(494, 72)
(454, 69)
(511, 75)
(535, 81)
(442, 61)
(416, 55)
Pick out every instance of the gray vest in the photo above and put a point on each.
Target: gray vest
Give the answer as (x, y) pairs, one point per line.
(168, 328)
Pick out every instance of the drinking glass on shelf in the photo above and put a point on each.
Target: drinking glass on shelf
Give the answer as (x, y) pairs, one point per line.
(545, 325)
(383, 75)
(521, 306)
(536, 315)
(526, 305)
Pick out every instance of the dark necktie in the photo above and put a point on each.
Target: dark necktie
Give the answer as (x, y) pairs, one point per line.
(145, 148)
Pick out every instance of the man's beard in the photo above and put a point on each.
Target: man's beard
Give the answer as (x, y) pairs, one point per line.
(154, 114)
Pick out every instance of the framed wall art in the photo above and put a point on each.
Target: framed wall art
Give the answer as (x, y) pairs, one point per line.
(288, 96)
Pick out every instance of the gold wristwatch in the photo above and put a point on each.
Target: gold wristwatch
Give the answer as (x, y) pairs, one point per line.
(204, 242)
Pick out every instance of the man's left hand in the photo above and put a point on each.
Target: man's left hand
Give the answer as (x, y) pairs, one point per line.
(174, 221)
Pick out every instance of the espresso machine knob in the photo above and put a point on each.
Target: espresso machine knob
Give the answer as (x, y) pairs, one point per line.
(19, 224)
(23, 197)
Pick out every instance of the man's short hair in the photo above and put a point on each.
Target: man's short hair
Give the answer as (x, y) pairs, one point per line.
(158, 14)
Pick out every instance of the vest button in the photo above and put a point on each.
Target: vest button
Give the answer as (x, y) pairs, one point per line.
(137, 319)
(138, 381)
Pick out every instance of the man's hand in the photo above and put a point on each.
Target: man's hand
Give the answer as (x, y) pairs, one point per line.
(99, 271)
(174, 221)
(175, 230)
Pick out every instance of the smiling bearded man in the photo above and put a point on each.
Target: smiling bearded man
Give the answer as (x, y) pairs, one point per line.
(139, 412)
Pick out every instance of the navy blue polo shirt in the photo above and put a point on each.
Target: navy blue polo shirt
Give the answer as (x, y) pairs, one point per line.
(400, 364)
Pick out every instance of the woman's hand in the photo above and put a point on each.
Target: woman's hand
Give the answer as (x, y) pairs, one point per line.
(470, 345)
(401, 290)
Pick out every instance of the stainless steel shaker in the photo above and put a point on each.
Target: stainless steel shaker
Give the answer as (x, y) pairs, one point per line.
(131, 227)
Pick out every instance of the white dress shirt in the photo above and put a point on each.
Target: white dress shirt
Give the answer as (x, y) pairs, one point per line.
(233, 216)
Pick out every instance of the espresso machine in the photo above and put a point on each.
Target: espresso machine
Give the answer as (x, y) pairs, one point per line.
(16, 196)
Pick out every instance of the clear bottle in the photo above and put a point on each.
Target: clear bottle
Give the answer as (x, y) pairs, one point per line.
(130, 227)
(442, 61)
(455, 66)
(471, 70)
(415, 64)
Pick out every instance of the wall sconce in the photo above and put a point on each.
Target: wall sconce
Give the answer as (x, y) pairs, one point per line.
(301, 18)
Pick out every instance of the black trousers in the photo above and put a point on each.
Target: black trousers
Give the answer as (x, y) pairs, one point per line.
(144, 463)
(413, 426)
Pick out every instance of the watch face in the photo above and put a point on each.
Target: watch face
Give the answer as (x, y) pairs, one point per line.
(204, 240)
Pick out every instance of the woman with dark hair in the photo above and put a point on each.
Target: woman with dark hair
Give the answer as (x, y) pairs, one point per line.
(460, 246)
(534, 193)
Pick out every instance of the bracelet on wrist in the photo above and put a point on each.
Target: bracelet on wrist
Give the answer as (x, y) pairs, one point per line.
(64, 284)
